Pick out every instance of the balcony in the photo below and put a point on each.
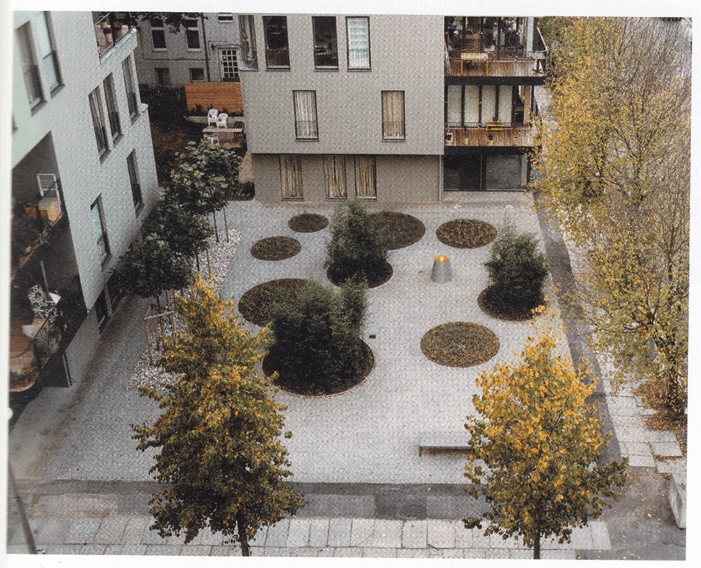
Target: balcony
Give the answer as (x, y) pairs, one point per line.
(111, 28)
(493, 133)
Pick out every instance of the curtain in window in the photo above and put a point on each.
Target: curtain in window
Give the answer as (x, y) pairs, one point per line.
(472, 105)
(335, 176)
(489, 95)
(365, 176)
(291, 177)
(305, 114)
(358, 43)
(393, 114)
(45, 50)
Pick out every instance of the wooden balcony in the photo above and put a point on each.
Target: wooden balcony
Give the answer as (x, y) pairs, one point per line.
(517, 136)
(475, 64)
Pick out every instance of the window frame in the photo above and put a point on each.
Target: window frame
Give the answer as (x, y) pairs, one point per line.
(134, 181)
(158, 29)
(189, 30)
(192, 79)
(225, 17)
(132, 100)
(291, 177)
(249, 49)
(98, 121)
(30, 68)
(162, 73)
(316, 33)
(49, 55)
(112, 108)
(313, 123)
(233, 62)
(386, 131)
(349, 50)
(280, 51)
(102, 239)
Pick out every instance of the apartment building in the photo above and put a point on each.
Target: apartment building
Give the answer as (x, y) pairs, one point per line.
(388, 107)
(83, 180)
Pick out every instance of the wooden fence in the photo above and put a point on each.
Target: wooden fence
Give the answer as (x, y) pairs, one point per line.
(215, 95)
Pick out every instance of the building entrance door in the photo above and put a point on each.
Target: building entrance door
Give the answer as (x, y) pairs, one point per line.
(229, 65)
(464, 173)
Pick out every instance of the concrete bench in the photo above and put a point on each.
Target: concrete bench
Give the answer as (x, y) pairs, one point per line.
(444, 441)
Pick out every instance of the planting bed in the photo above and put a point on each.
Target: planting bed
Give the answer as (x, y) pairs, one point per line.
(459, 344)
(308, 223)
(256, 302)
(275, 248)
(466, 233)
(402, 230)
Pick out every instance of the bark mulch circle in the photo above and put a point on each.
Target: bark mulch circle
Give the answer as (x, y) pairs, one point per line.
(308, 223)
(374, 279)
(459, 344)
(466, 233)
(255, 304)
(402, 230)
(276, 248)
(316, 387)
(495, 310)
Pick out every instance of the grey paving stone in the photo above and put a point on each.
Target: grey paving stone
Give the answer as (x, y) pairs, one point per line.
(453, 553)
(441, 534)
(479, 540)
(134, 530)
(89, 549)
(641, 449)
(414, 534)
(83, 530)
(666, 449)
(373, 552)
(224, 550)
(196, 550)
(111, 530)
(349, 552)
(162, 550)
(208, 538)
(463, 536)
(311, 552)
(435, 553)
(53, 530)
(176, 540)
(125, 549)
(298, 533)
(325, 552)
(412, 553)
(259, 539)
(622, 405)
(600, 535)
(628, 421)
(35, 525)
(631, 434)
(361, 532)
(641, 461)
(498, 553)
(319, 533)
(340, 532)
(387, 534)
(275, 551)
(558, 555)
(277, 534)
(151, 536)
(580, 539)
(17, 549)
(475, 553)
(671, 466)
(521, 554)
(497, 541)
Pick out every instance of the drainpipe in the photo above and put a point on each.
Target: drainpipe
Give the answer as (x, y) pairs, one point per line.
(206, 54)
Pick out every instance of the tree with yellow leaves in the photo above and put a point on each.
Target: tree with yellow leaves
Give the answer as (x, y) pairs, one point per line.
(219, 433)
(535, 443)
(614, 171)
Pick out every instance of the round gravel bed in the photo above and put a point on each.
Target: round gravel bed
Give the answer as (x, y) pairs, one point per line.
(466, 233)
(308, 223)
(459, 344)
(255, 304)
(275, 248)
(374, 279)
(505, 313)
(401, 230)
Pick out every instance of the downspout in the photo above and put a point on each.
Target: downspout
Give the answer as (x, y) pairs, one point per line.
(206, 54)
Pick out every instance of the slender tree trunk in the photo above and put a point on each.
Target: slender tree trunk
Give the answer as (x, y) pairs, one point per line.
(536, 548)
(216, 232)
(241, 523)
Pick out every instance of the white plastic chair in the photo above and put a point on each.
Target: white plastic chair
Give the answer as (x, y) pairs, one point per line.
(221, 120)
(212, 117)
(213, 139)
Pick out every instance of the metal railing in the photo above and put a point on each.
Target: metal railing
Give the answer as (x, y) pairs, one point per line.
(110, 29)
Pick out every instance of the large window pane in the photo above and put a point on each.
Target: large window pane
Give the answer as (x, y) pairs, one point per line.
(129, 85)
(306, 126)
(46, 51)
(158, 34)
(365, 177)
(358, 43)
(192, 34)
(134, 180)
(291, 177)
(393, 115)
(277, 53)
(30, 71)
(249, 55)
(98, 121)
(112, 109)
(325, 49)
(99, 232)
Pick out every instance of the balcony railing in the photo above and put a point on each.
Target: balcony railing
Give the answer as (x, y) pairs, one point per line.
(110, 29)
(492, 133)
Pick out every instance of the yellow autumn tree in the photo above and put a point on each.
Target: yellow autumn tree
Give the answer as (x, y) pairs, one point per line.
(535, 443)
(614, 171)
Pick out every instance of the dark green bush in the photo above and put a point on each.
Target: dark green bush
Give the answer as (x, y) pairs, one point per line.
(317, 335)
(357, 246)
(517, 272)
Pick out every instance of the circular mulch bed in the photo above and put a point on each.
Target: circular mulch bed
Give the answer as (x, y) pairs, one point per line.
(402, 230)
(316, 387)
(308, 223)
(466, 233)
(374, 279)
(255, 303)
(497, 311)
(276, 248)
(459, 344)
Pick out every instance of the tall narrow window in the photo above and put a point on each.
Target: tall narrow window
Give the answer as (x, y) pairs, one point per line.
(225, 17)
(249, 55)
(229, 65)
(134, 181)
(277, 53)
(158, 34)
(393, 115)
(365, 177)
(335, 177)
(192, 35)
(129, 86)
(30, 71)
(112, 109)
(196, 74)
(162, 75)
(99, 231)
(325, 50)
(358, 43)
(291, 177)
(47, 52)
(98, 121)
(306, 126)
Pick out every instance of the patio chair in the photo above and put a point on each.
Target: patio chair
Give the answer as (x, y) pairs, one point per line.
(213, 139)
(221, 120)
(212, 117)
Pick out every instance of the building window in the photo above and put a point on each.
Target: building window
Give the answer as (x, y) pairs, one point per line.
(229, 65)
(365, 177)
(47, 52)
(101, 311)
(249, 54)
(291, 177)
(225, 17)
(358, 42)
(196, 74)
(112, 109)
(99, 231)
(335, 177)
(30, 71)
(325, 49)
(162, 75)
(129, 86)
(277, 53)
(306, 126)
(134, 181)
(98, 121)
(158, 34)
(192, 35)
(393, 115)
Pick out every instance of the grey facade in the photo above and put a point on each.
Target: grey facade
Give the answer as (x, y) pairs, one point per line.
(81, 131)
